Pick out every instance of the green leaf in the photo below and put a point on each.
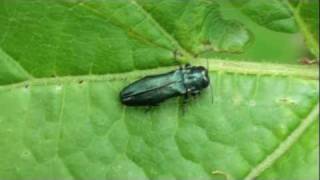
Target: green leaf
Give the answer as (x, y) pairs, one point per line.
(306, 145)
(306, 14)
(73, 38)
(272, 14)
(285, 16)
(63, 64)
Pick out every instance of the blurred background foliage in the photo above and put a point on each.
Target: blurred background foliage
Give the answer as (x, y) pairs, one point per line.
(269, 45)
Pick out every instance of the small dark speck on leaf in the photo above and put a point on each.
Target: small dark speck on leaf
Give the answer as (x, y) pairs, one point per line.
(286, 100)
(307, 61)
(81, 81)
(26, 86)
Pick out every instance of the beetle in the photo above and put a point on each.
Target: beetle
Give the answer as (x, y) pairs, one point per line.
(154, 89)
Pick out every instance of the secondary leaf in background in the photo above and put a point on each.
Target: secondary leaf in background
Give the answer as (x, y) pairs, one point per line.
(272, 14)
(266, 46)
(306, 14)
(285, 16)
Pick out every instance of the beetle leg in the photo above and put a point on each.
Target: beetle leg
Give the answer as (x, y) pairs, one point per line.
(194, 95)
(186, 98)
(184, 102)
(150, 107)
(180, 67)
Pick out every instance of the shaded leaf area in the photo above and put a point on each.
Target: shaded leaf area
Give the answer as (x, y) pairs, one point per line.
(307, 17)
(266, 46)
(59, 38)
(198, 25)
(11, 71)
(272, 14)
(78, 129)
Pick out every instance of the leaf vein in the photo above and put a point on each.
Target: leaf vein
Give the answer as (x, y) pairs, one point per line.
(161, 28)
(9, 59)
(130, 32)
(236, 67)
(284, 146)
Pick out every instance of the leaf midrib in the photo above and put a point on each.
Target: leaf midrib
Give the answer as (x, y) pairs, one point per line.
(241, 67)
(307, 72)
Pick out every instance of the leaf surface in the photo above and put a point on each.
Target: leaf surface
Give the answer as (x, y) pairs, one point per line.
(272, 14)
(63, 64)
(96, 37)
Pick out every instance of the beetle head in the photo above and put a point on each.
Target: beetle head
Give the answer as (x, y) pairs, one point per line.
(197, 78)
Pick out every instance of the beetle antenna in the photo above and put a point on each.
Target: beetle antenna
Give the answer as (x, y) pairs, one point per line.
(210, 84)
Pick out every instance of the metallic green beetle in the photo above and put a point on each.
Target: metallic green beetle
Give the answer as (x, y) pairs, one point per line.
(152, 90)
